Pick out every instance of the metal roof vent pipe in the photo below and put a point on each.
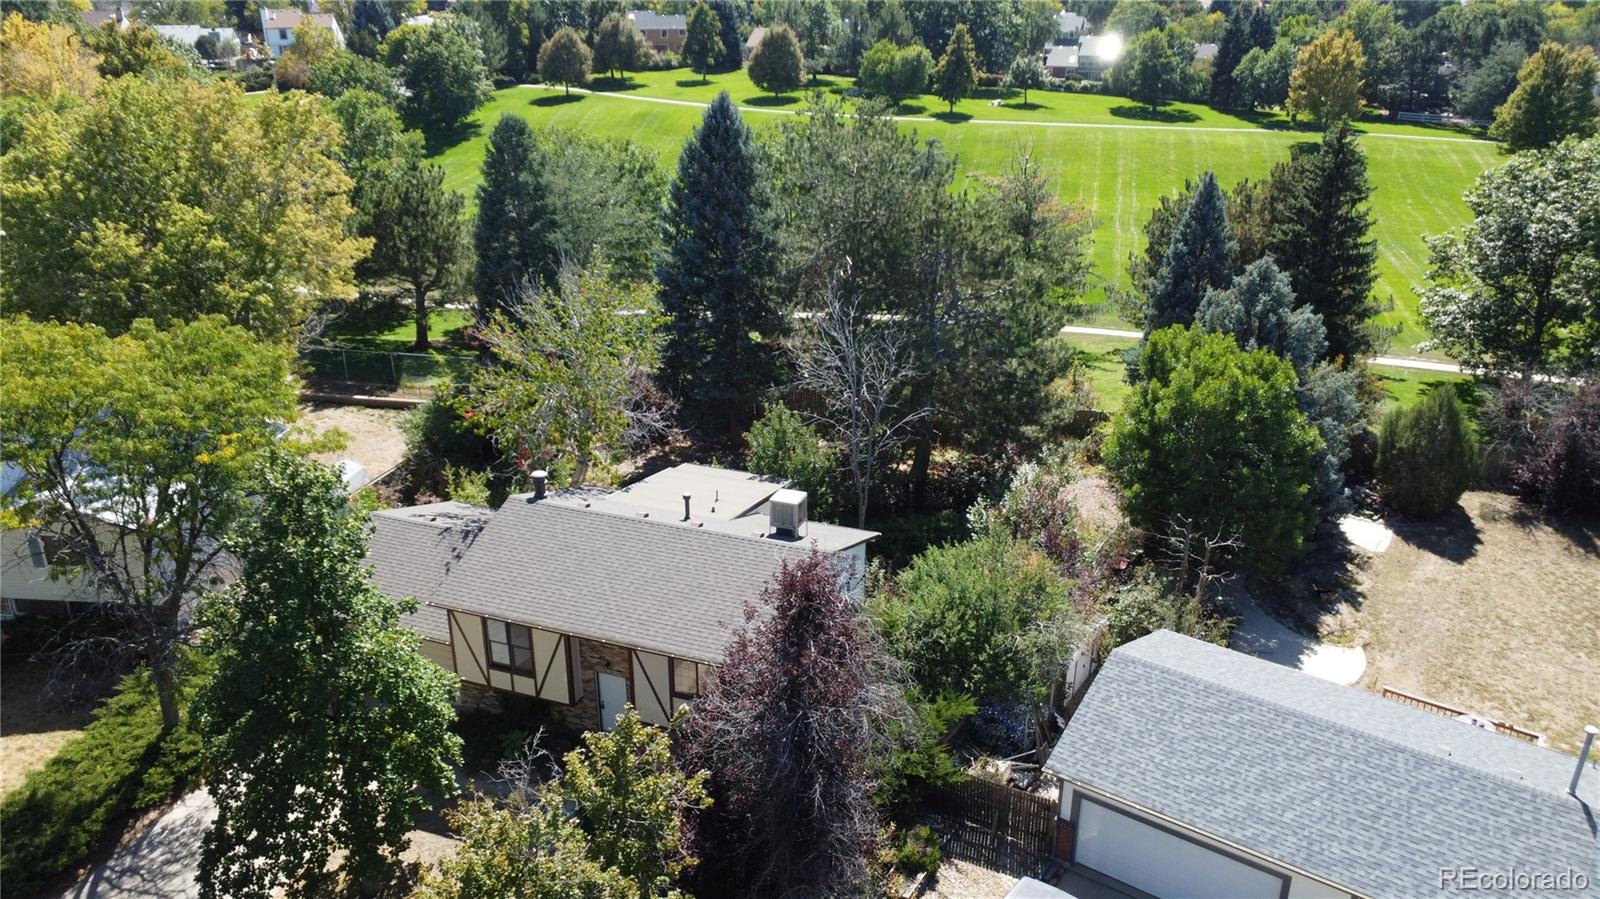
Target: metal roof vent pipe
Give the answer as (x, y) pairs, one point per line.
(686, 498)
(1583, 757)
(540, 478)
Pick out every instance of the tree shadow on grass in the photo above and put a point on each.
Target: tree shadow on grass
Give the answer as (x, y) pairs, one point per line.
(555, 99)
(696, 81)
(608, 84)
(1025, 107)
(911, 109)
(953, 118)
(768, 100)
(438, 141)
(1164, 114)
(1452, 536)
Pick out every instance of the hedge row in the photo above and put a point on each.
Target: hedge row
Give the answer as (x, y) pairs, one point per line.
(119, 764)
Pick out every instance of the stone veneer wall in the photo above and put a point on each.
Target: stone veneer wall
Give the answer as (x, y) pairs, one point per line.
(593, 658)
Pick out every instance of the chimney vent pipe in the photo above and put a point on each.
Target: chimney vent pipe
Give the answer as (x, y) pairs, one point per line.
(540, 478)
(686, 506)
(1583, 757)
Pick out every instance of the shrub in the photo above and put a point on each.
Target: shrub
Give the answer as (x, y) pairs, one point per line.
(1549, 442)
(916, 851)
(120, 764)
(1427, 455)
(1147, 604)
(783, 445)
(921, 758)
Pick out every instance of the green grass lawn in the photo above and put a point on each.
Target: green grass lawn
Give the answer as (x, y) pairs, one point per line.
(1102, 358)
(392, 328)
(1106, 152)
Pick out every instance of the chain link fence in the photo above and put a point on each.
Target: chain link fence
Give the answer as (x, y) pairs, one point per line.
(414, 374)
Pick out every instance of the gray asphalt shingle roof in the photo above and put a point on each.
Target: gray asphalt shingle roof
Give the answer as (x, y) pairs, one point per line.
(411, 551)
(645, 18)
(1363, 791)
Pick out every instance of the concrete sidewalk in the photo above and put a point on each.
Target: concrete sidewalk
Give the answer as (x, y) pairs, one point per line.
(161, 863)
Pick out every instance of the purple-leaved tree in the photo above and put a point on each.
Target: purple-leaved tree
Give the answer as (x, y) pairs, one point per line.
(797, 710)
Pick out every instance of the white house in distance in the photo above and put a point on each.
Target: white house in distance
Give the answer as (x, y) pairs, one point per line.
(278, 25)
(588, 599)
(1194, 771)
(1090, 58)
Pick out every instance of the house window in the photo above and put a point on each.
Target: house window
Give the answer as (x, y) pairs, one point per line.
(283, 34)
(36, 551)
(510, 646)
(689, 679)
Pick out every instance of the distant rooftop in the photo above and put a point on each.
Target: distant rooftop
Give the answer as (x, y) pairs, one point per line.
(644, 18)
(721, 493)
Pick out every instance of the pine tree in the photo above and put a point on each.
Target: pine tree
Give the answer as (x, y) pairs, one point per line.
(1248, 28)
(513, 212)
(1320, 238)
(1259, 311)
(957, 72)
(703, 44)
(728, 19)
(717, 272)
(1199, 258)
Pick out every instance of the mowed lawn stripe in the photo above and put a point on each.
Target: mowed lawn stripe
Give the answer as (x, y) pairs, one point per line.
(1119, 171)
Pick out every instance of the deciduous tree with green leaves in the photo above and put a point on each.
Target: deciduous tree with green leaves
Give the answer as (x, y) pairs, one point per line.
(618, 46)
(782, 444)
(564, 59)
(138, 455)
(634, 803)
(123, 208)
(1518, 289)
(777, 65)
(1212, 436)
(896, 72)
(1326, 81)
(419, 235)
(956, 75)
(1152, 67)
(702, 46)
(444, 74)
(326, 730)
(569, 391)
(1026, 73)
(1554, 99)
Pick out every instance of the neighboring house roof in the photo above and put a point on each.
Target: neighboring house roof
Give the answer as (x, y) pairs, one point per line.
(1335, 781)
(644, 18)
(715, 492)
(1105, 48)
(188, 34)
(1062, 57)
(1205, 51)
(413, 549)
(292, 19)
(94, 18)
(757, 35)
(1070, 22)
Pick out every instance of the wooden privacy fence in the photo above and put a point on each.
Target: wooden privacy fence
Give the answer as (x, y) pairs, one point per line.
(996, 826)
(1439, 708)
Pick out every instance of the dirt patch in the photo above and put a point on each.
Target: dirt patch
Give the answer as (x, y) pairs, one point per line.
(1492, 609)
(32, 728)
(373, 436)
(965, 880)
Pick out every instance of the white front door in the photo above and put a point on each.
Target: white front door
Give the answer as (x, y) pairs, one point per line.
(613, 696)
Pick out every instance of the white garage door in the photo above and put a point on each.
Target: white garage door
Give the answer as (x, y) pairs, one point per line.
(1163, 864)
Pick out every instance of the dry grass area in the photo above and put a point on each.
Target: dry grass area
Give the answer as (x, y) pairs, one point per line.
(31, 729)
(965, 880)
(372, 436)
(1494, 609)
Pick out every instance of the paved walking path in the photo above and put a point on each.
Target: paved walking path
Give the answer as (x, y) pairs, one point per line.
(1265, 637)
(161, 863)
(1115, 126)
(1385, 361)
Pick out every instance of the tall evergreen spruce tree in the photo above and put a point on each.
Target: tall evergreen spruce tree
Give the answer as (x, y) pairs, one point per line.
(1199, 258)
(1248, 27)
(716, 273)
(512, 214)
(1320, 238)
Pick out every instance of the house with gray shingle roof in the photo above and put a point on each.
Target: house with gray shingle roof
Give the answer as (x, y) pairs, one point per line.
(664, 33)
(1192, 770)
(589, 599)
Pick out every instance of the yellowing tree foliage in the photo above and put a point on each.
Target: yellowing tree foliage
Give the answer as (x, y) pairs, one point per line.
(1326, 81)
(170, 199)
(43, 60)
